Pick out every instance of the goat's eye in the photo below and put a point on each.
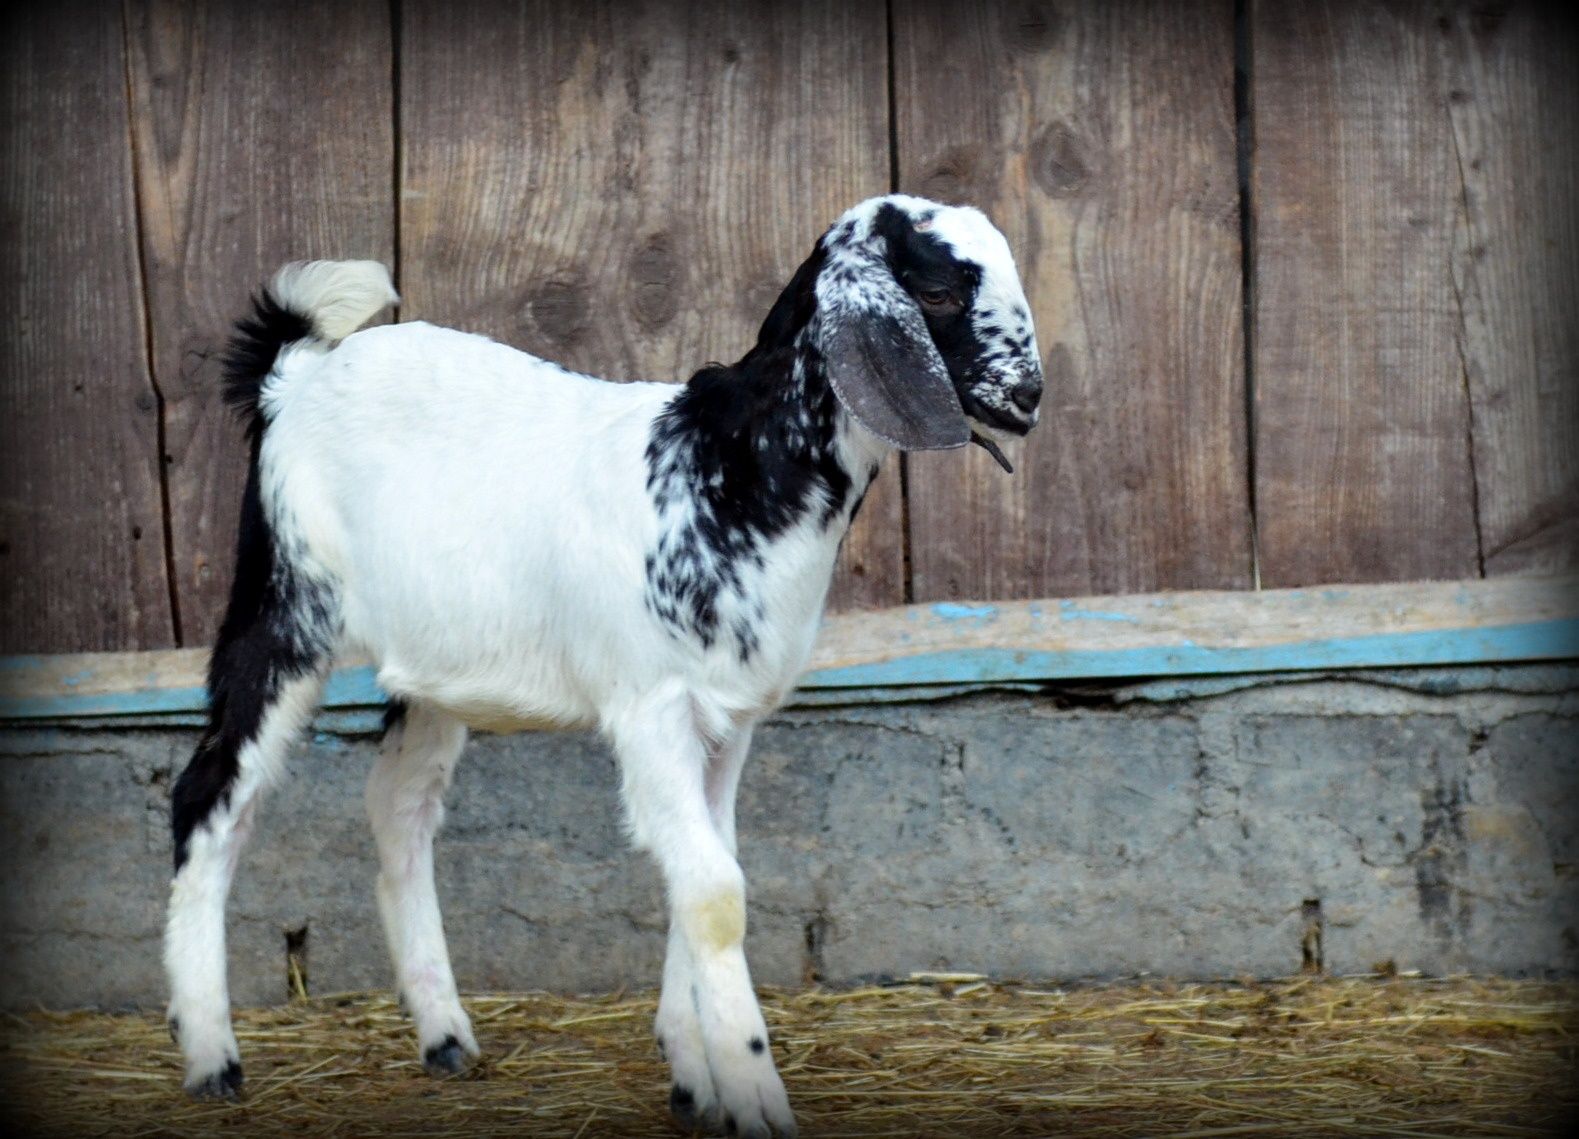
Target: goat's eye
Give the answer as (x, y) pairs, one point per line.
(936, 298)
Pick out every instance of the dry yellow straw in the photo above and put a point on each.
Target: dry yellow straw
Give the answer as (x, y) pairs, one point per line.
(945, 1056)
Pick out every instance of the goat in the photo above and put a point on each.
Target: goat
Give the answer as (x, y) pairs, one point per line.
(512, 543)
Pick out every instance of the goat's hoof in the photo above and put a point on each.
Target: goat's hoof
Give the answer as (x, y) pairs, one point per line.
(446, 1058)
(758, 1130)
(224, 1084)
(683, 1106)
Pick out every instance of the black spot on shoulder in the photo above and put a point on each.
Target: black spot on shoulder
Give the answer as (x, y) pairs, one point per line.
(744, 452)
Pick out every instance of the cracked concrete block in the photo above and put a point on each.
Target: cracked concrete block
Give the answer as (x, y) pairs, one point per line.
(1193, 829)
(80, 863)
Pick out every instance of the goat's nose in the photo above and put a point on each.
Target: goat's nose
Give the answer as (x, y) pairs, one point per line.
(1027, 394)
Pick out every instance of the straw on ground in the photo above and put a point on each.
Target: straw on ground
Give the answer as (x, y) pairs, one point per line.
(949, 1057)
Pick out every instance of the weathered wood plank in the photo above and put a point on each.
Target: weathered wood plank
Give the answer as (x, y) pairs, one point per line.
(81, 525)
(1101, 139)
(1189, 633)
(1514, 109)
(1362, 422)
(265, 134)
(625, 189)
(1196, 632)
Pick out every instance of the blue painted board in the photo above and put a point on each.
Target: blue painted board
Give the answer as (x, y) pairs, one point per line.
(1539, 640)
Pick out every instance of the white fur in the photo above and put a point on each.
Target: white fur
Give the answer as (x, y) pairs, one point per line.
(194, 952)
(342, 296)
(483, 519)
(405, 804)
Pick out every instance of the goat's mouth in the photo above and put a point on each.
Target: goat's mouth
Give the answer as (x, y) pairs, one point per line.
(992, 426)
(998, 421)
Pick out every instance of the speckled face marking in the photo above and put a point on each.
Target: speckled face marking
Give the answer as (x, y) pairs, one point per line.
(957, 275)
(907, 320)
(957, 266)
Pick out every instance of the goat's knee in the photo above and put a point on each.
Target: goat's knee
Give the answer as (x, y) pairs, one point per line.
(713, 920)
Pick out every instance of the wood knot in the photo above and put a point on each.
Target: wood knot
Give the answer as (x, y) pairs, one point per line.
(756, 299)
(1032, 28)
(1058, 369)
(1057, 163)
(558, 311)
(950, 175)
(656, 275)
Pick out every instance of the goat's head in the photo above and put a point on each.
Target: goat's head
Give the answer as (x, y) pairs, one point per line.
(924, 326)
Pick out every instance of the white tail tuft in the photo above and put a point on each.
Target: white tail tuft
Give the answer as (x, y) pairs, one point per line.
(336, 297)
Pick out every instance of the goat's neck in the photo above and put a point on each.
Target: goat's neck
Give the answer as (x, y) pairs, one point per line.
(800, 423)
(743, 458)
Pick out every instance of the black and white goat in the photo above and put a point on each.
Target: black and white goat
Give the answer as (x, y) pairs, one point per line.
(512, 543)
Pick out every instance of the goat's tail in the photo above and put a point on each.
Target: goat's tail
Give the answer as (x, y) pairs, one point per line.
(306, 300)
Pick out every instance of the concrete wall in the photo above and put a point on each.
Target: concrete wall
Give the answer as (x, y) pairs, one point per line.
(1198, 829)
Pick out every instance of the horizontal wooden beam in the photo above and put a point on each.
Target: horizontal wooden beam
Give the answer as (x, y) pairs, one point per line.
(954, 643)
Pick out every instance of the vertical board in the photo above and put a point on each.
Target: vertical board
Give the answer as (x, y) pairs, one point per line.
(1362, 420)
(625, 188)
(1514, 106)
(264, 135)
(1100, 138)
(81, 523)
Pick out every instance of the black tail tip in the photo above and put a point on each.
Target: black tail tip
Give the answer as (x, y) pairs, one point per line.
(252, 350)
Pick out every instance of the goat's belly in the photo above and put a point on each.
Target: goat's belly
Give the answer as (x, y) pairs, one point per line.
(514, 700)
(502, 722)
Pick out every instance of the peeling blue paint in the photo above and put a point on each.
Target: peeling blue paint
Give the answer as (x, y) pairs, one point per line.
(1540, 640)
(1069, 611)
(954, 611)
(357, 688)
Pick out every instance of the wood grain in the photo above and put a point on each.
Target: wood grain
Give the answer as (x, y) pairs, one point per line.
(81, 529)
(1101, 139)
(264, 135)
(625, 189)
(1514, 111)
(1362, 421)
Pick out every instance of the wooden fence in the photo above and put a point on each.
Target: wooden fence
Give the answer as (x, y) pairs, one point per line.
(1305, 273)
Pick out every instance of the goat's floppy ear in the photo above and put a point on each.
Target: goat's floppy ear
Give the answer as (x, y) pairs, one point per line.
(881, 360)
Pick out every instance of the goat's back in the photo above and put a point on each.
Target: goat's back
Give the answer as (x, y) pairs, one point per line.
(482, 513)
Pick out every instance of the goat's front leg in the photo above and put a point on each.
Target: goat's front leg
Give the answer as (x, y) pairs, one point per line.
(678, 1025)
(724, 763)
(663, 765)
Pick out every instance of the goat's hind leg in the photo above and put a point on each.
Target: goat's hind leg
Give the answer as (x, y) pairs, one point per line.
(405, 804)
(259, 702)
